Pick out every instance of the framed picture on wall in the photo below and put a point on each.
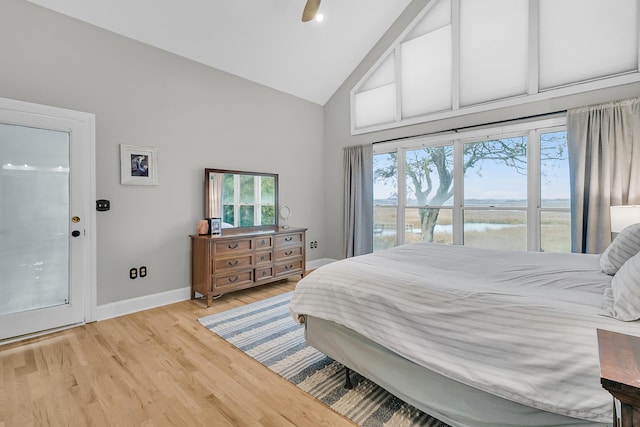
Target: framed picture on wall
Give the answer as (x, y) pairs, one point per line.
(138, 165)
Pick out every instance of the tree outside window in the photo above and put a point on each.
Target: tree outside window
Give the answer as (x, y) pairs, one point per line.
(495, 199)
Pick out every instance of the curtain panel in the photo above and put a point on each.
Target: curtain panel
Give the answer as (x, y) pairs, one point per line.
(358, 200)
(604, 161)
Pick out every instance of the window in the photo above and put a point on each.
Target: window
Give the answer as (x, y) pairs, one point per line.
(385, 200)
(505, 191)
(603, 40)
(495, 193)
(555, 196)
(465, 56)
(493, 66)
(426, 64)
(375, 102)
(429, 194)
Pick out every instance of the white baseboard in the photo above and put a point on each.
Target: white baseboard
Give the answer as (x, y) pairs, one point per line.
(312, 265)
(120, 308)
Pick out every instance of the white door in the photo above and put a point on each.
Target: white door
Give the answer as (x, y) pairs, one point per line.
(46, 220)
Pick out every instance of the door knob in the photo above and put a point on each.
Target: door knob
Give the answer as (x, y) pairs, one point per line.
(75, 233)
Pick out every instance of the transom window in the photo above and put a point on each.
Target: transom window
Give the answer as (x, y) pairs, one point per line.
(464, 56)
(508, 190)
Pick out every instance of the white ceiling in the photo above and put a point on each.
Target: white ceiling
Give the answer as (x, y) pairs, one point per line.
(260, 40)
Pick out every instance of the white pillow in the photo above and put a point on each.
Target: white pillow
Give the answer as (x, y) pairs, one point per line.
(625, 287)
(623, 247)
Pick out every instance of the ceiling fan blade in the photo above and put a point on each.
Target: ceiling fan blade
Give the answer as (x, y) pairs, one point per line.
(310, 10)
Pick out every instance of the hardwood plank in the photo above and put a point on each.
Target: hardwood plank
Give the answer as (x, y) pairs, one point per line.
(158, 367)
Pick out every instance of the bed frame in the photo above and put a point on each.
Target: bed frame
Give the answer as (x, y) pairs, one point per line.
(449, 401)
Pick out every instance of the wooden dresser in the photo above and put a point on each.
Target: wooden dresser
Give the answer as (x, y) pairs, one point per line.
(620, 375)
(239, 259)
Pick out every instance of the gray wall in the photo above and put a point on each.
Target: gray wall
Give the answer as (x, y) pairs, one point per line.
(197, 117)
(338, 130)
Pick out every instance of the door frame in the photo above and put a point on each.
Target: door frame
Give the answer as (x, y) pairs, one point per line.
(86, 123)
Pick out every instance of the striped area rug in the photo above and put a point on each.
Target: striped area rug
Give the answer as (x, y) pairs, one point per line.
(266, 331)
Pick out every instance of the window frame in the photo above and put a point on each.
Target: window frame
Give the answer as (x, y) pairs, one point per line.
(532, 129)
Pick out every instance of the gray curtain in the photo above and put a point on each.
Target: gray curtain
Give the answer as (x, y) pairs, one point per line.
(604, 162)
(358, 200)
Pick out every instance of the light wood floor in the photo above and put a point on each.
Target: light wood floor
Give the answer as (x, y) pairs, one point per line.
(158, 367)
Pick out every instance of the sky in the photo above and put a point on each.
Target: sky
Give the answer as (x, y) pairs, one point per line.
(495, 180)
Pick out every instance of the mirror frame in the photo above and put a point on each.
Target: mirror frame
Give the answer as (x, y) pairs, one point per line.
(207, 200)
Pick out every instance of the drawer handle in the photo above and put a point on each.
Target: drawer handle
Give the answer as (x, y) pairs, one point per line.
(233, 245)
(288, 239)
(288, 252)
(288, 267)
(262, 258)
(233, 279)
(233, 263)
(264, 273)
(263, 242)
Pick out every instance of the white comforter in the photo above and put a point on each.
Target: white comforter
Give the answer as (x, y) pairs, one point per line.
(520, 325)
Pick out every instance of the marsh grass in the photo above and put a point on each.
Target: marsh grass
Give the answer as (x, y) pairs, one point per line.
(506, 229)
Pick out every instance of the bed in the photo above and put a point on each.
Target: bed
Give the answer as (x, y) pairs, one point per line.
(473, 337)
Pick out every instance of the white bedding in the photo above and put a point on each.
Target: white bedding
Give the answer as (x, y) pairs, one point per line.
(520, 325)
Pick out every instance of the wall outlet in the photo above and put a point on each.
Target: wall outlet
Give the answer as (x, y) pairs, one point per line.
(313, 245)
(143, 271)
(133, 273)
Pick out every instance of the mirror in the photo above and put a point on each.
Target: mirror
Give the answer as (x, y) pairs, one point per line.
(285, 213)
(241, 199)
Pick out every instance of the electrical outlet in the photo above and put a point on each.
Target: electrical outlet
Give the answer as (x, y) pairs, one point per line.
(143, 271)
(133, 273)
(313, 245)
(103, 205)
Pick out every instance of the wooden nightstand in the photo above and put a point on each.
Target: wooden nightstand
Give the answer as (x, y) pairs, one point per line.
(620, 375)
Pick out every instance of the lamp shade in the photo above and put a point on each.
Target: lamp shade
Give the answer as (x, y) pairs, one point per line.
(624, 216)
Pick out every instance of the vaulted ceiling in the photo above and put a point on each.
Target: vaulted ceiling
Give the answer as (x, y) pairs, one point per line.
(264, 41)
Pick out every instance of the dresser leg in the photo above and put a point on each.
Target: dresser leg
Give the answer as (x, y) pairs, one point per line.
(209, 298)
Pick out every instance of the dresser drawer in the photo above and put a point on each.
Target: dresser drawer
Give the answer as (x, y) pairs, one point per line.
(223, 264)
(264, 273)
(289, 267)
(292, 239)
(263, 242)
(264, 258)
(288, 253)
(232, 246)
(236, 279)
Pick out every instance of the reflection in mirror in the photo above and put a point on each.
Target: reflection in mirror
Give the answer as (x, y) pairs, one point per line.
(241, 199)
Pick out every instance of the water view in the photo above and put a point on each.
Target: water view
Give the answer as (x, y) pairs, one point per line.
(483, 225)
